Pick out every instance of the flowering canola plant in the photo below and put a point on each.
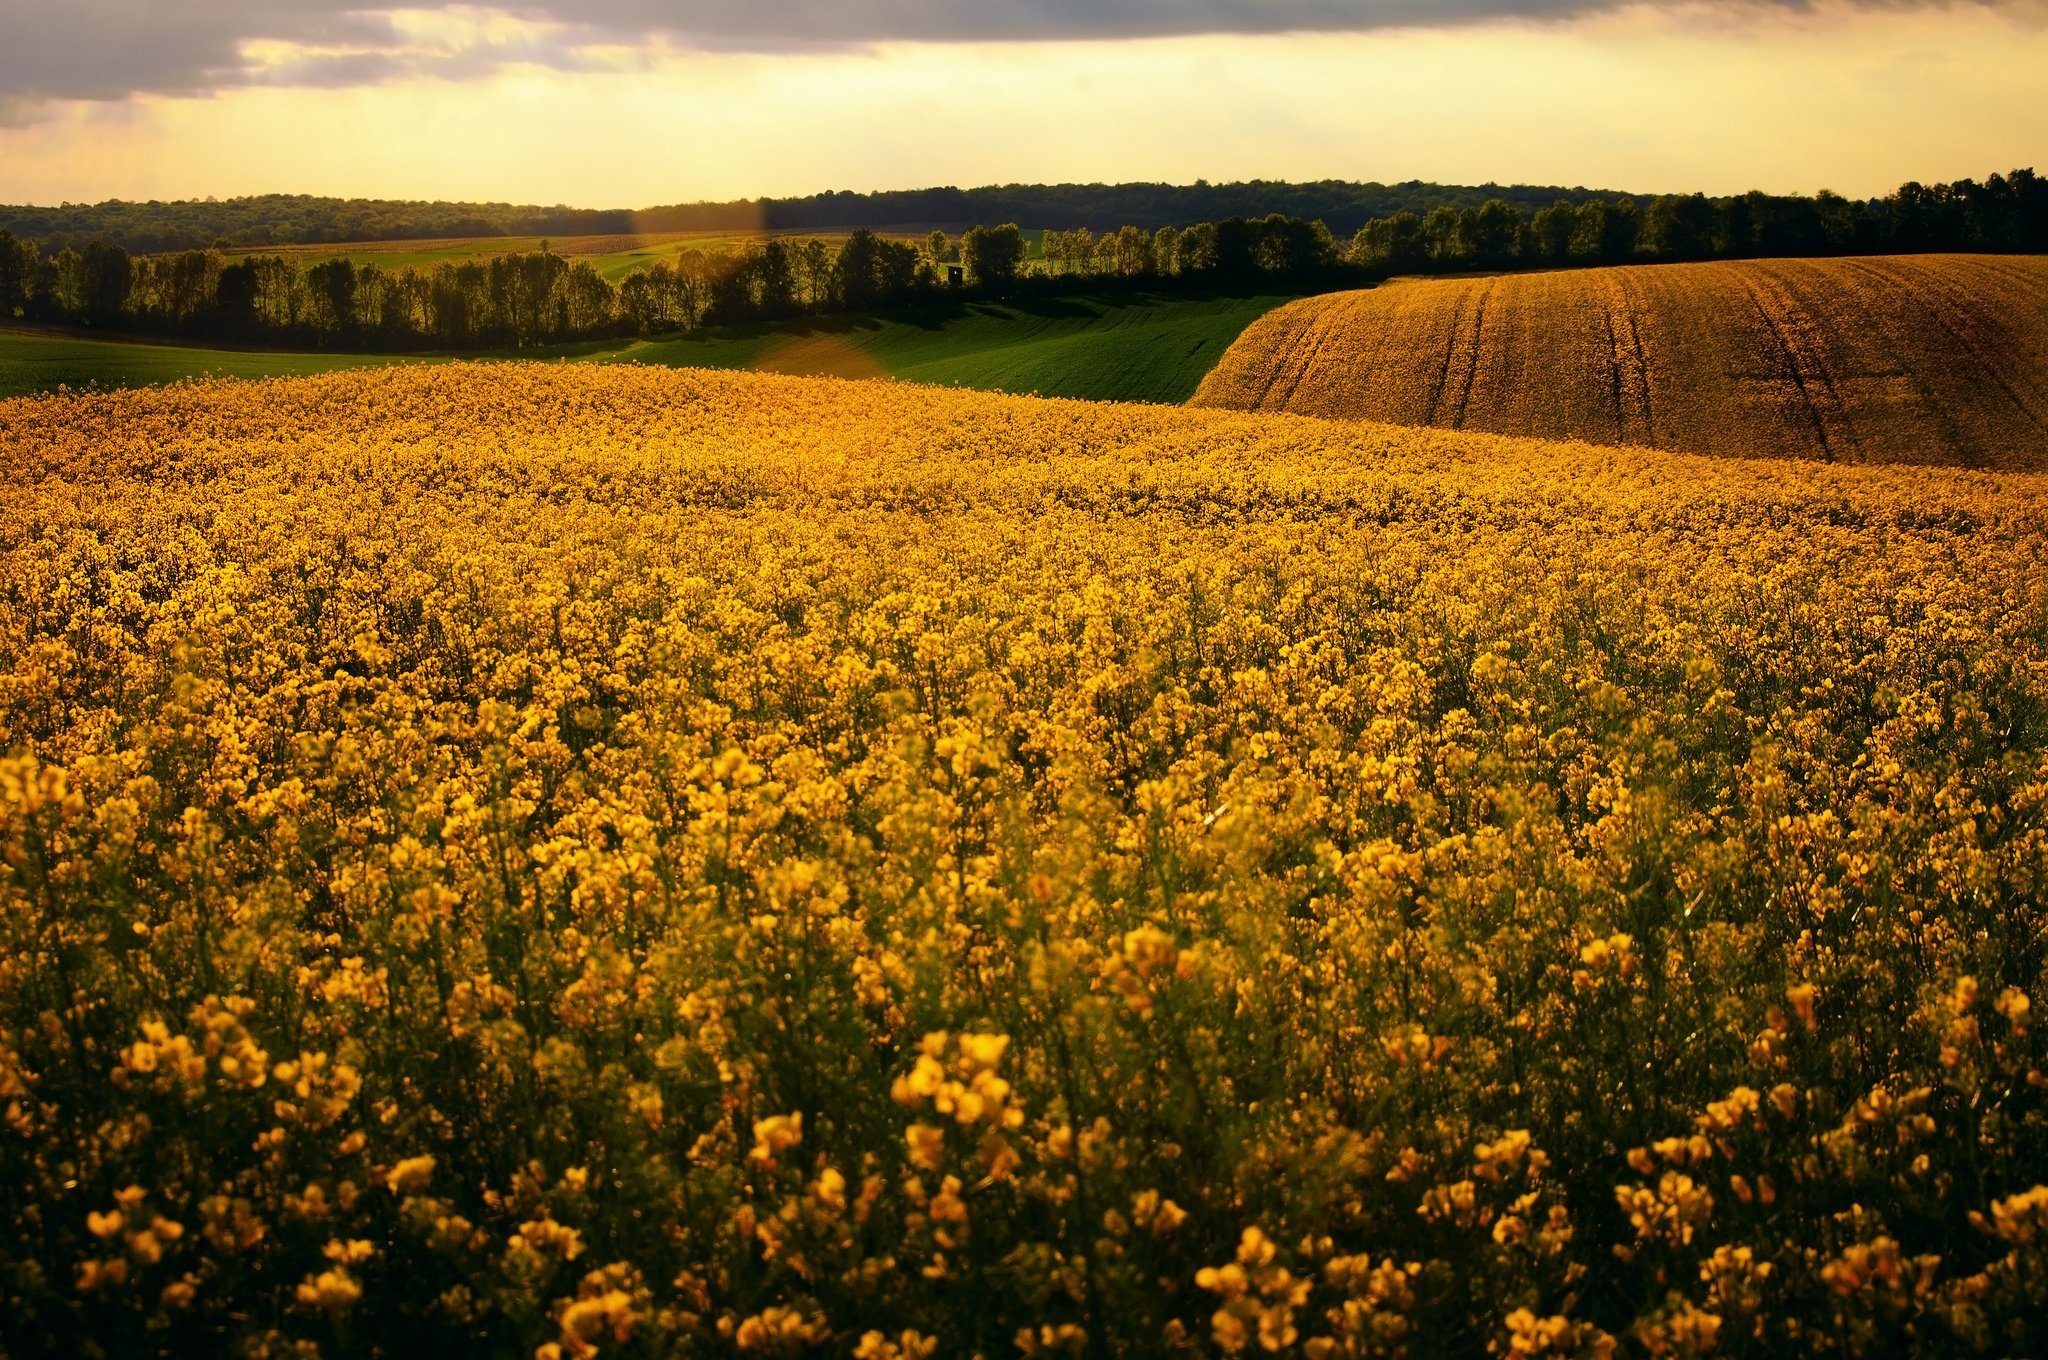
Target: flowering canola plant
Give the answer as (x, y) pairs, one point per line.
(543, 861)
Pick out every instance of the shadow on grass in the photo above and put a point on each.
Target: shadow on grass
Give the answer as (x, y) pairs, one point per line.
(936, 316)
(932, 317)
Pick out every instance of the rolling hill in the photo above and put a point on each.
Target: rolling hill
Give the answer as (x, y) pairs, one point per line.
(34, 361)
(1129, 347)
(1929, 359)
(1118, 347)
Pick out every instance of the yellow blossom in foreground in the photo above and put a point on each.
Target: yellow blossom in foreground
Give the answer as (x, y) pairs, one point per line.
(334, 1290)
(537, 860)
(410, 1174)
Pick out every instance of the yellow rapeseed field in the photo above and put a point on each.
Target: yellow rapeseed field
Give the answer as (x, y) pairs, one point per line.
(1921, 359)
(544, 861)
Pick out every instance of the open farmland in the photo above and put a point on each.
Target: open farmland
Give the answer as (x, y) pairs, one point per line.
(613, 256)
(1114, 347)
(558, 860)
(42, 361)
(1927, 359)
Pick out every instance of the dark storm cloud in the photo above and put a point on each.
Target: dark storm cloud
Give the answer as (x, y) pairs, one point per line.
(105, 49)
(108, 49)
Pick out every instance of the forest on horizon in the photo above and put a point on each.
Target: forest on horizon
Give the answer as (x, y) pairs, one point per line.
(522, 298)
(154, 227)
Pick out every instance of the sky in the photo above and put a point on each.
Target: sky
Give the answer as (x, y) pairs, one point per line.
(633, 103)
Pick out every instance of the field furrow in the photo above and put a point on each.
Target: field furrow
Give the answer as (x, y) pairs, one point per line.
(1925, 359)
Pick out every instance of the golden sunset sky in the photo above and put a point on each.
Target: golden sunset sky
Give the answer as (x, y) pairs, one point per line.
(613, 103)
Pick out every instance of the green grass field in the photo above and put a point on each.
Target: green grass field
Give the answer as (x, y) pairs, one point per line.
(402, 255)
(1139, 347)
(613, 264)
(32, 362)
(612, 256)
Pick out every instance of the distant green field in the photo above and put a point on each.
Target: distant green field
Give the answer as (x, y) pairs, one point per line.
(612, 256)
(400, 255)
(613, 264)
(1140, 347)
(41, 363)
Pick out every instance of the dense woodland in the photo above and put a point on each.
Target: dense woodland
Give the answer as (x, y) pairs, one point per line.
(517, 300)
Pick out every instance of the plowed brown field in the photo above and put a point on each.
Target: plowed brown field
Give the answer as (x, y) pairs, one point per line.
(1925, 359)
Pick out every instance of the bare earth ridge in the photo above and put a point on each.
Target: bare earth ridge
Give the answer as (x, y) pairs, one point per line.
(1922, 359)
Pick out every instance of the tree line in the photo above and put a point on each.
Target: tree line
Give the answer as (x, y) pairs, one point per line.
(514, 300)
(1343, 205)
(527, 298)
(297, 219)
(291, 219)
(2006, 213)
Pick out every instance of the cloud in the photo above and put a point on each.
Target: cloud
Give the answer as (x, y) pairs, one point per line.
(112, 49)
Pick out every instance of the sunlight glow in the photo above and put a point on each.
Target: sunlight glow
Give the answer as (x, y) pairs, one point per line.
(483, 105)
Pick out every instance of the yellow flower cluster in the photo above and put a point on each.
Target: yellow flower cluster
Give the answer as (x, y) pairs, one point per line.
(542, 861)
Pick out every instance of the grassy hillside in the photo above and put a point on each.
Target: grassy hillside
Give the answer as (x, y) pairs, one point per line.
(1130, 348)
(537, 859)
(1931, 359)
(40, 362)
